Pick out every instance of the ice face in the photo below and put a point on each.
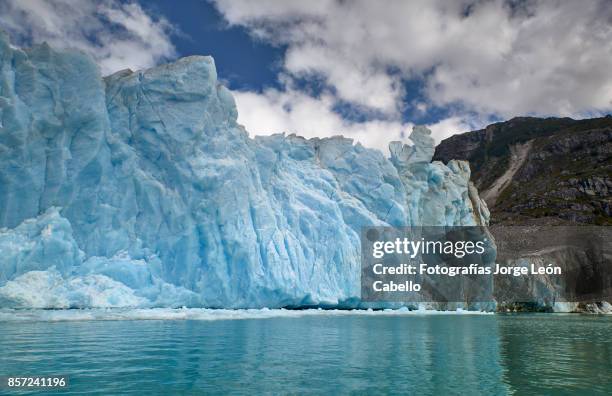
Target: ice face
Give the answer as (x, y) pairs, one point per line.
(141, 189)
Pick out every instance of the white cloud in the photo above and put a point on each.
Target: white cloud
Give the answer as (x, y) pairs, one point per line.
(482, 58)
(486, 57)
(453, 125)
(117, 34)
(292, 111)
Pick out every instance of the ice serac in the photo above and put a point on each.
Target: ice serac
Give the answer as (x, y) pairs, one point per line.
(141, 189)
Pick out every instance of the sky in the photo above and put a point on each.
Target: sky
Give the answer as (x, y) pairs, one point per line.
(365, 69)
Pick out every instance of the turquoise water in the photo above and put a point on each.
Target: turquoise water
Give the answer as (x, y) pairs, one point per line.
(319, 354)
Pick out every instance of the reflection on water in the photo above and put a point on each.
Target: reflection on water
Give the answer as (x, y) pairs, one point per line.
(522, 354)
(568, 354)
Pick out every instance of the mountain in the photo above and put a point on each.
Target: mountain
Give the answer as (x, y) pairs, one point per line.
(542, 170)
(544, 181)
(141, 189)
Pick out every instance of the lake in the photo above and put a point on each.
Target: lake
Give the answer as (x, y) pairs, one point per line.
(311, 352)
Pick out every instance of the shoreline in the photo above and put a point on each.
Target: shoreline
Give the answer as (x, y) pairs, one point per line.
(208, 314)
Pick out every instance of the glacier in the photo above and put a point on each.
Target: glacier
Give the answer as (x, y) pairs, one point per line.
(140, 189)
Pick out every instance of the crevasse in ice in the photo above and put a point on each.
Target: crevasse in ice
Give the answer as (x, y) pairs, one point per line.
(141, 189)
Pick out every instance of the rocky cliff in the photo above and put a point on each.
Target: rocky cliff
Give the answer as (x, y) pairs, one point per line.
(546, 179)
(553, 170)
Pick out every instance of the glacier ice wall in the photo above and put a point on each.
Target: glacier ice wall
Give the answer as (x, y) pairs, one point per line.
(141, 189)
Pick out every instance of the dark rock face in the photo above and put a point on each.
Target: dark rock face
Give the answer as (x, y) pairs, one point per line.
(538, 173)
(565, 176)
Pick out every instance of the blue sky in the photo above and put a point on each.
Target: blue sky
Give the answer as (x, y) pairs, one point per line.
(242, 62)
(365, 69)
(247, 63)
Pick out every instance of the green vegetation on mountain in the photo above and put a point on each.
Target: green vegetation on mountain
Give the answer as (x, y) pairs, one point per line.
(561, 169)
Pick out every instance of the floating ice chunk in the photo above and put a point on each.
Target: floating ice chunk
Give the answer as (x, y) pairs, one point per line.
(10, 315)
